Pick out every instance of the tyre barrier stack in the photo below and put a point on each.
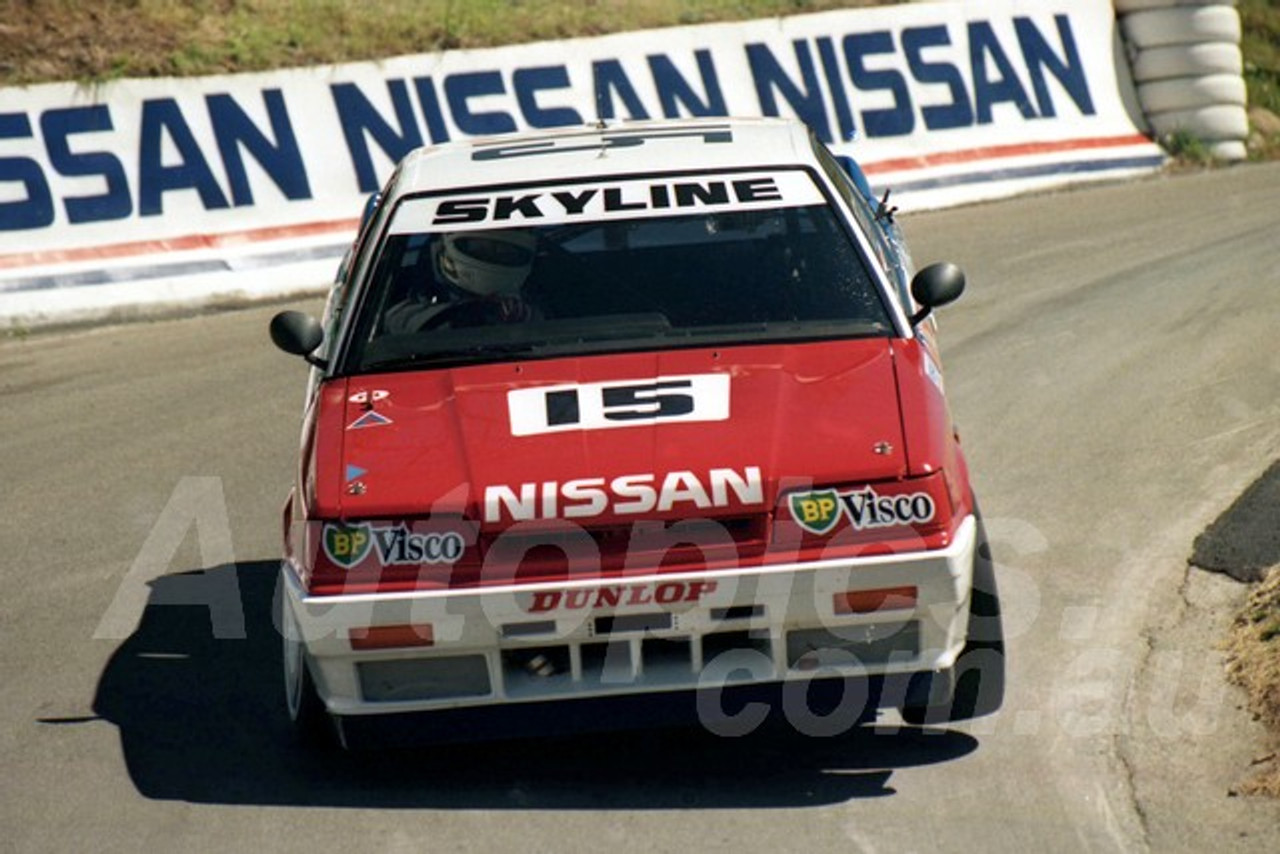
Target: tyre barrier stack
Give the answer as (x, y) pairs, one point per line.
(1187, 65)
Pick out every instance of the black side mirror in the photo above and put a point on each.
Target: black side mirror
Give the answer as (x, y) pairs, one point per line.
(298, 334)
(934, 286)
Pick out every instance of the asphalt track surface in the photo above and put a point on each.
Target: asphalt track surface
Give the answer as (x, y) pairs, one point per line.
(1114, 370)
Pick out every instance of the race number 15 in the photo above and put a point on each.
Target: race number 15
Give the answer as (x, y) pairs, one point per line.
(630, 403)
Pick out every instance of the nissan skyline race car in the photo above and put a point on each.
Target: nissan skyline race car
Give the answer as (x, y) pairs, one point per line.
(623, 423)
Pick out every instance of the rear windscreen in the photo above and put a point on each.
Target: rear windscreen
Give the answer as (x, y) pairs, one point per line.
(713, 271)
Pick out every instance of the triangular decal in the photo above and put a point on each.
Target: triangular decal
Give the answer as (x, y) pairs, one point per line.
(369, 419)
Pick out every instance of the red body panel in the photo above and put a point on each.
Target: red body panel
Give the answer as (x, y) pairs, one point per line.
(429, 444)
(930, 433)
(809, 413)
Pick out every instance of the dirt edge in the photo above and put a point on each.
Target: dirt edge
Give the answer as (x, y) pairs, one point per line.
(1253, 663)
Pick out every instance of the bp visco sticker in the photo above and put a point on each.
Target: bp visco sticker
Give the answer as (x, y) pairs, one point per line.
(819, 511)
(395, 545)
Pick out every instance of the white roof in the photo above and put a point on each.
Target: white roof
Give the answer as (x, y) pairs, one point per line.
(613, 148)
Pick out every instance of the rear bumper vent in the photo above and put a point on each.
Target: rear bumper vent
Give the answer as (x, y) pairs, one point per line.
(640, 661)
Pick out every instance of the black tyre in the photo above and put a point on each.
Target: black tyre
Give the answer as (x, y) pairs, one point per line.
(978, 674)
(312, 724)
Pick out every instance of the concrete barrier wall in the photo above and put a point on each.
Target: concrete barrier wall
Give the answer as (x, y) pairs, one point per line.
(147, 193)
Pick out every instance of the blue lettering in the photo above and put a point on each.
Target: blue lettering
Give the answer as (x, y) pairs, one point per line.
(460, 88)
(957, 113)
(430, 103)
(36, 210)
(359, 117)
(898, 120)
(674, 91)
(282, 161)
(984, 46)
(160, 118)
(57, 126)
(1068, 70)
(608, 77)
(528, 82)
(831, 69)
(806, 101)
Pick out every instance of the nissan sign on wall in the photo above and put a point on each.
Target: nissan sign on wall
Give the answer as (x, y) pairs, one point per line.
(180, 190)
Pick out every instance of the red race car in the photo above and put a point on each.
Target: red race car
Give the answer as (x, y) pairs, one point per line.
(618, 424)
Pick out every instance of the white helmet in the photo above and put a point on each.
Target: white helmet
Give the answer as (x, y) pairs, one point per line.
(487, 263)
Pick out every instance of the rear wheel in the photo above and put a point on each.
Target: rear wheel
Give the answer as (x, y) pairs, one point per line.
(978, 674)
(312, 723)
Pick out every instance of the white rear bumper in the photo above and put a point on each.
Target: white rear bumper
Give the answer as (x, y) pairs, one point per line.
(664, 632)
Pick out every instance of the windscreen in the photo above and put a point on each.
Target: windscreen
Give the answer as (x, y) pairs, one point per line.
(641, 264)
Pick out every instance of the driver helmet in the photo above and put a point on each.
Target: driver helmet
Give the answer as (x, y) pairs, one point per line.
(487, 263)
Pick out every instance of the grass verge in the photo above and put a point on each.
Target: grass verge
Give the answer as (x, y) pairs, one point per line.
(1253, 663)
(1260, 43)
(51, 40)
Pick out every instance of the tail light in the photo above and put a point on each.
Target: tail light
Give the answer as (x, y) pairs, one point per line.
(872, 601)
(391, 637)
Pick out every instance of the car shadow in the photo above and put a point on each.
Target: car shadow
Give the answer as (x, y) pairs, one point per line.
(201, 719)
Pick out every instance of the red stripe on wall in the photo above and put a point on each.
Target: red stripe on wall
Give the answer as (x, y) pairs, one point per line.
(995, 152)
(176, 244)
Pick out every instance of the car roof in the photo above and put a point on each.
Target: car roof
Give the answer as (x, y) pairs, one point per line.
(606, 148)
